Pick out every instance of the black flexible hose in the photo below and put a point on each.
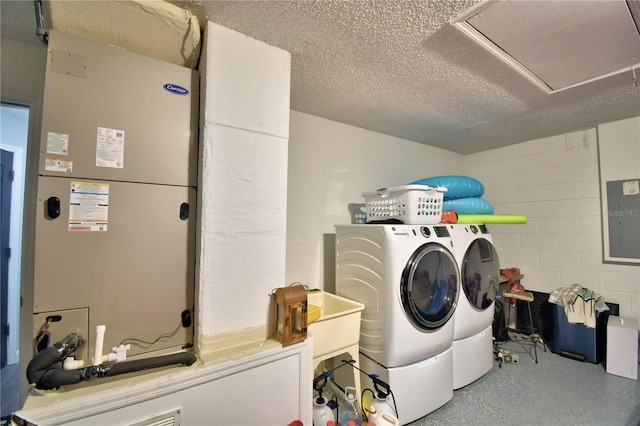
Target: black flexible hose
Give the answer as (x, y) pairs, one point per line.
(49, 357)
(185, 358)
(56, 376)
(39, 365)
(52, 376)
(45, 369)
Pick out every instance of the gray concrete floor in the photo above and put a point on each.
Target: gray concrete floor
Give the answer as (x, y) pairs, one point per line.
(9, 394)
(556, 391)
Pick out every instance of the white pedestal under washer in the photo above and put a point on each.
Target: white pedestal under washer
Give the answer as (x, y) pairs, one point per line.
(479, 278)
(408, 280)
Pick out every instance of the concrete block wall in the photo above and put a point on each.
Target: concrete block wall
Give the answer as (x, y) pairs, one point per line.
(555, 182)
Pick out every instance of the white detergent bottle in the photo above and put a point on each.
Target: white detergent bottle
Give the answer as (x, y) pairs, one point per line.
(382, 418)
(350, 414)
(382, 405)
(322, 414)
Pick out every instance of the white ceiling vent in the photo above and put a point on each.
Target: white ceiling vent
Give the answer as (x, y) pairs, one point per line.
(558, 44)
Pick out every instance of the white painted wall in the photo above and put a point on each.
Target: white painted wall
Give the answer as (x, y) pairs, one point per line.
(23, 66)
(555, 182)
(330, 166)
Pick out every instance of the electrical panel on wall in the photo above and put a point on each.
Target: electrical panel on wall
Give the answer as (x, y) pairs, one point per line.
(623, 218)
(619, 162)
(115, 228)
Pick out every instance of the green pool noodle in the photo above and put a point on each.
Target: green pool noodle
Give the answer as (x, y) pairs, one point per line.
(482, 219)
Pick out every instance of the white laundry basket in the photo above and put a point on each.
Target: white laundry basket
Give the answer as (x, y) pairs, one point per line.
(410, 204)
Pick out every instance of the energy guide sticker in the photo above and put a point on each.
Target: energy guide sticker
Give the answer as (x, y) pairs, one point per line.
(88, 207)
(110, 148)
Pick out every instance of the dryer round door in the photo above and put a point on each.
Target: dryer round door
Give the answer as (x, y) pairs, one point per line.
(480, 274)
(429, 287)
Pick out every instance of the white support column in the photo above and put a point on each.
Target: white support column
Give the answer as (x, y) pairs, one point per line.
(245, 86)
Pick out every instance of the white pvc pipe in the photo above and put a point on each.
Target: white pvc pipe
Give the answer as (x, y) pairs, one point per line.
(70, 363)
(97, 354)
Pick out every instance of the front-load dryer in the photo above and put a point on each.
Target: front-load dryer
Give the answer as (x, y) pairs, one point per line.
(479, 278)
(408, 280)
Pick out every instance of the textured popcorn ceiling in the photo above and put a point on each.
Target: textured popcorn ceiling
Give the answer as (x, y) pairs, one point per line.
(399, 67)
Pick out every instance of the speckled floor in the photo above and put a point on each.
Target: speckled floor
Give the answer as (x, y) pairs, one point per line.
(10, 397)
(556, 391)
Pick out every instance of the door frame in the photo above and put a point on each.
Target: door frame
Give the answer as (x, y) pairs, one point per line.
(6, 174)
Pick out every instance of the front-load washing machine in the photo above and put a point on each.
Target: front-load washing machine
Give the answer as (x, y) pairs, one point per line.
(479, 279)
(408, 280)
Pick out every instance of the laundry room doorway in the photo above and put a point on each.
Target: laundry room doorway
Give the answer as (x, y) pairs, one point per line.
(14, 134)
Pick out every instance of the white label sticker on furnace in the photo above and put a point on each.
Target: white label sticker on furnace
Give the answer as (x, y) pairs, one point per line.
(110, 148)
(88, 207)
(57, 143)
(58, 165)
(631, 187)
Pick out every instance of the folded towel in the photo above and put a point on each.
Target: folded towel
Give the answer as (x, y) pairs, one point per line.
(580, 304)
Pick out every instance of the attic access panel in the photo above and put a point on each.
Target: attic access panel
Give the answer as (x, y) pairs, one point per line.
(557, 44)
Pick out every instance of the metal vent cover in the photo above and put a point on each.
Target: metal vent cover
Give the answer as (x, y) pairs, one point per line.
(557, 45)
(171, 418)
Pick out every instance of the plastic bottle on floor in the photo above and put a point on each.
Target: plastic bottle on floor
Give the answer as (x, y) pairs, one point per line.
(381, 405)
(382, 418)
(350, 414)
(322, 414)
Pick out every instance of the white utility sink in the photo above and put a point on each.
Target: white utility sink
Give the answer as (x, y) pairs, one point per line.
(338, 327)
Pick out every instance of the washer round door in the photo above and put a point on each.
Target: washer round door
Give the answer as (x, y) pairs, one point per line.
(480, 274)
(429, 287)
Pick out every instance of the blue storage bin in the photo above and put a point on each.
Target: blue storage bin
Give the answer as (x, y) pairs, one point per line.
(576, 338)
